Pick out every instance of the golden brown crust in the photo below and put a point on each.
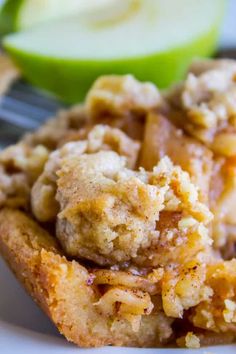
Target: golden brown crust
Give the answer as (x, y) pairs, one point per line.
(62, 289)
(21, 244)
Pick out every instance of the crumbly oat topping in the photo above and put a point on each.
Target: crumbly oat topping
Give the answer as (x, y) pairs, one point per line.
(20, 166)
(145, 202)
(110, 214)
(192, 341)
(44, 204)
(229, 313)
(184, 287)
(120, 95)
(52, 134)
(207, 98)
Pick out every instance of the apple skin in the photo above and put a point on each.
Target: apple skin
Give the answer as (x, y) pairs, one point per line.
(8, 16)
(70, 79)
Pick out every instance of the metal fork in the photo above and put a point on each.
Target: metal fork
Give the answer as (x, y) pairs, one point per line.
(24, 109)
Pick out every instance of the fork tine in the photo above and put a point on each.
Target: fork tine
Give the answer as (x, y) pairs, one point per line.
(18, 120)
(24, 92)
(26, 107)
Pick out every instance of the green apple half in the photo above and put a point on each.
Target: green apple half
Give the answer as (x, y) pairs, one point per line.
(18, 15)
(153, 39)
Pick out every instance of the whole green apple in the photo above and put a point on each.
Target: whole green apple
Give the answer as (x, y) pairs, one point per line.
(155, 40)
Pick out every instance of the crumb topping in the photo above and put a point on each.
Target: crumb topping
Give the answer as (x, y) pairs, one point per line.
(139, 186)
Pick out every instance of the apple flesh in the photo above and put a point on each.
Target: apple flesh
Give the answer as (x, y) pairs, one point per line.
(153, 39)
(16, 15)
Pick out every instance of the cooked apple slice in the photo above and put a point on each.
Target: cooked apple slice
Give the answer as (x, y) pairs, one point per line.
(153, 39)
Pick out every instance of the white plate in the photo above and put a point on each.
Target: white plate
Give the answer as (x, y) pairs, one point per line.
(24, 329)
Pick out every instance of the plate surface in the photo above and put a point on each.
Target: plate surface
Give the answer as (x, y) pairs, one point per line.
(24, 329)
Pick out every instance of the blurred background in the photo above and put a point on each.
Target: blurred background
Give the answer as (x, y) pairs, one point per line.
(61, 46)
(228, 32)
